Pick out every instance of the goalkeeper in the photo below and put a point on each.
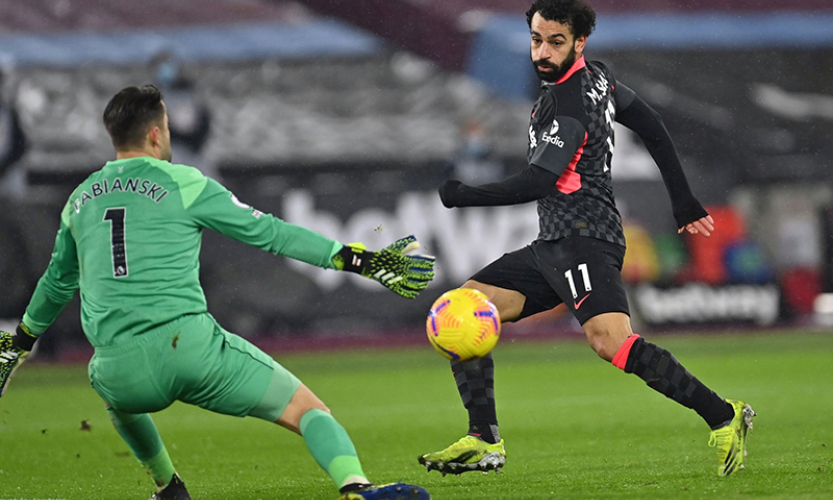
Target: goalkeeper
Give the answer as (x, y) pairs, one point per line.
(129, 240)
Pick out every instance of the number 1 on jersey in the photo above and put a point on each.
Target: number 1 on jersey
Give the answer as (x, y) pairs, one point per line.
(116, 218)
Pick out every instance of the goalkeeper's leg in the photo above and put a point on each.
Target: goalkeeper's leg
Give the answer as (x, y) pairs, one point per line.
(332, 448)
(225, 373)
(140, 434)
(326, 439)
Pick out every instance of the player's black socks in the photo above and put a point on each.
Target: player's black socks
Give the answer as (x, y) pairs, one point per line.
(663, 373)
(476, 382)
(485, 431)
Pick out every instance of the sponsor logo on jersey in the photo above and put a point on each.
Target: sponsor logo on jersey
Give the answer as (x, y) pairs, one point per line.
(554, 128)
(552, 139)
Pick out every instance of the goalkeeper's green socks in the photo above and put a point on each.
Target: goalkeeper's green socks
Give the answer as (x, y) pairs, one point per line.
(144, 441)
(332, 448)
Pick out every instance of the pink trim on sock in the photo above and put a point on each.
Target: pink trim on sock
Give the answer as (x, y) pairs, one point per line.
(621, 357)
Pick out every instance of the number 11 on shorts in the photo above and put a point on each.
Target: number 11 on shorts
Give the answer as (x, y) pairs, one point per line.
(585, 275)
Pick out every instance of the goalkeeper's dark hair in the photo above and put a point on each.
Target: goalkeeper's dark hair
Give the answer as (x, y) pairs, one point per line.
(577, 14)
(130, 114)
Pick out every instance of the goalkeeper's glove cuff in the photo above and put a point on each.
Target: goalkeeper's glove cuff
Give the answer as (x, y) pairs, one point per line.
(23, 338)
(353, 258)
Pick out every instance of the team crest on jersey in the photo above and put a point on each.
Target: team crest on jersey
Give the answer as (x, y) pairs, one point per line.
(533, 142)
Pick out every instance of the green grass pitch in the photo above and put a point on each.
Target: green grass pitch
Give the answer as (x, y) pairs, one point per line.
(574, 427)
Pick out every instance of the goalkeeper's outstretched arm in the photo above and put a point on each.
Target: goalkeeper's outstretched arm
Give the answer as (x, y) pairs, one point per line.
(218, 209)
(58, 284)
(54, 290)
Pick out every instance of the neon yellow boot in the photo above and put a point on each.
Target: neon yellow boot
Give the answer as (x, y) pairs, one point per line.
(730, 440)
(468, 454)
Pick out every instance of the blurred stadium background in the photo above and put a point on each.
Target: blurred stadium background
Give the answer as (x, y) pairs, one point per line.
(344, 116)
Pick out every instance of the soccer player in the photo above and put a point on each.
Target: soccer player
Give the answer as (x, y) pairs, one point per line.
(129, 240)
(577, 257)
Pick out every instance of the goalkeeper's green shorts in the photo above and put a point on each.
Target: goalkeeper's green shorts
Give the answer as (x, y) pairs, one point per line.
(194, 360)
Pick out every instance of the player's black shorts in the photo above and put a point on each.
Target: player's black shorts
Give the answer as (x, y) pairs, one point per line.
(584, 273)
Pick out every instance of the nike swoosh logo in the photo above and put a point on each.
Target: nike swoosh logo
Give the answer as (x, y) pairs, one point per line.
(578, 304)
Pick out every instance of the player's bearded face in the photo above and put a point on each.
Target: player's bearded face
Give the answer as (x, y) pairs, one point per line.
(550, 71)
(553, 47)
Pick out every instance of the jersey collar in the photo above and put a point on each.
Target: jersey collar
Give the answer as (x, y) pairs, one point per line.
(579, 64)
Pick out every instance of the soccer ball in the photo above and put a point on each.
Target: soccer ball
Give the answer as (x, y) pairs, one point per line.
(463, 324)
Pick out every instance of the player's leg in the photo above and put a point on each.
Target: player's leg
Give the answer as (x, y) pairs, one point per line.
(730, 421)
(141, 436)
(589, 278)
(592, 278)
(327, 440)
(124, 379)
(229, 375)
(610, 336)
(475, 378)
(517, 289)
(333, 450)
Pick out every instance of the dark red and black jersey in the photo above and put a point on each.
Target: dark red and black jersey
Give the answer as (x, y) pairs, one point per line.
(572, 124)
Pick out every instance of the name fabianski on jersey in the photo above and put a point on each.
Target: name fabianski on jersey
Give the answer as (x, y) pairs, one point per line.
(136, 185)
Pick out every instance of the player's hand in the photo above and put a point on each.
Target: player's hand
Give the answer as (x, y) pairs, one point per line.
(14, 349)
(704, 226)
(448, 192)
(406, 275)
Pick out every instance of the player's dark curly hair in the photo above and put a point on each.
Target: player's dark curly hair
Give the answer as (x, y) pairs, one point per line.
(575, 13)
(130, 113)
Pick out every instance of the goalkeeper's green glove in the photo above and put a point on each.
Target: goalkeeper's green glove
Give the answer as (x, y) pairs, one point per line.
(14, 349)
(406, 275)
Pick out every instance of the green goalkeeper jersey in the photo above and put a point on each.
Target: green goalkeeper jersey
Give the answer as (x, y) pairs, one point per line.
(130, 239)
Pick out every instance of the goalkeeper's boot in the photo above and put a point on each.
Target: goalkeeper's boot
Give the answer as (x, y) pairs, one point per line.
(730, 440)
(174, 491)
(468, 454)
(398, 491)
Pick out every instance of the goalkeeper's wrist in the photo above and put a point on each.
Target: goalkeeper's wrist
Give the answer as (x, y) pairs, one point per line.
(23, 338)
(352, 258)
